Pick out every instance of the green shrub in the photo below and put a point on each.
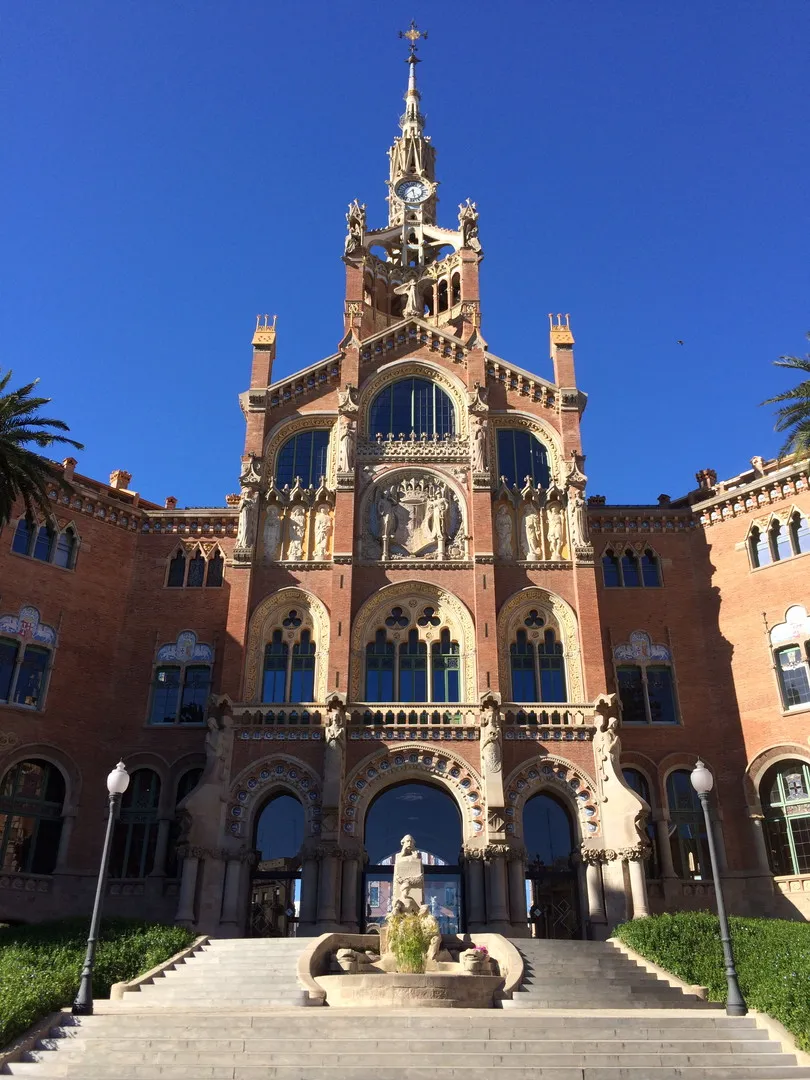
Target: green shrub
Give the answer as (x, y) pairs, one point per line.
(40, 965)
(772, 957)
(408, 939)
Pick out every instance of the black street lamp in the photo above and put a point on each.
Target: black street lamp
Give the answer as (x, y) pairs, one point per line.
(117, 784)
(703, 782)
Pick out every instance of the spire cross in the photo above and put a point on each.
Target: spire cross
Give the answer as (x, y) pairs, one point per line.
(413, 34)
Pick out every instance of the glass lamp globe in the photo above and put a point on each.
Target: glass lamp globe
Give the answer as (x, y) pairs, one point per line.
(118, 780)
(702, 779)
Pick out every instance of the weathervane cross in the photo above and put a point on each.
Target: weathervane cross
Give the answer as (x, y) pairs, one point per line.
(413, 34)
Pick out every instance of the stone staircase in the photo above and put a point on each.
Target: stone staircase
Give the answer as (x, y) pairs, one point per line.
(589, 974)
(230, 1013)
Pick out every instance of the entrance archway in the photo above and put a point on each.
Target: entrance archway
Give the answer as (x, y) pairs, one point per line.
(432, 817)
(275, 893)
(552, 887)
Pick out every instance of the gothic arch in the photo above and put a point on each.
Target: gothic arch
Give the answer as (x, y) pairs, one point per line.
(278, 774)
(559, 613)
(538, 427)
(568, 782)
(267, 617)
(398, 369)
(292, 426)
(756, 769)
(414, 762)
(454, 614)
(54, 756)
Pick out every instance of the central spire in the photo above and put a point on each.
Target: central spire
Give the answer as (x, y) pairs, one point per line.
(412, 121)
(411, 183)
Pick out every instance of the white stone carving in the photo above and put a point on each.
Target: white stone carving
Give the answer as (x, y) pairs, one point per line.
(272, 531)
(346, 447)
(554, 523)
(419, 516)
(323, 531)
(479, 455)
(409, 878)
(503, 529)
(532, 535)
(248, 517)
(296, 526)
(577, 518)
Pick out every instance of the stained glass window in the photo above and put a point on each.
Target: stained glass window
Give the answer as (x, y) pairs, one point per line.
(785, 798)
(412, 405)
(31, 797)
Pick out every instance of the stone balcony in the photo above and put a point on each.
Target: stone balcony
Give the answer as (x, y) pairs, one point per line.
(566, 721)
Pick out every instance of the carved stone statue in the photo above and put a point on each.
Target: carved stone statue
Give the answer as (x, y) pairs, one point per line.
(607, 745)
(410, 290)
(532, 536)
(346, 447)
(203, 809)
(491, 747)
(296, 525)
(554, 524)
(334, 758)
(503, 529)
(348, 404)
(468, 225)
(430, 928)
(248, 515)
(323, 530)
(479, 454)
(577, 518)
(409, 878)
(218, 746)
(356, 223)
(272, 531)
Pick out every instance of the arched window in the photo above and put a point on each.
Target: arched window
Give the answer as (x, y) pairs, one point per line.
(180, 694)
(541, 665)
(304, 456)
(289, 675)
(177, 571)
(650, 570)
(521, 454)
(455, 288)
(196, 572)
(65, 553)
(645, 681)
(412, 405)
(638, 782)
(23, 536)
(213, 577)
(800, 534)
(380, 668)
(43, 545)
(631, 575)
(785, 797)
(413, 669)
(32, 794)
(445, 665)
(442, 293)
(610, 571)
(687, 829)
(759, 549)
(135, 834)
(780, 542)
(794, 678)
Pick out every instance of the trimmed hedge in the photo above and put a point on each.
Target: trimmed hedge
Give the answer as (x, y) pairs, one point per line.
(772, 957)
(40, 965)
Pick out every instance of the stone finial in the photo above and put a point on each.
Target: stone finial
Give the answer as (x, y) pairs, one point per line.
(233, 499)
(758, 465)
(69, 464)
(597, 500)
(120, 479)
(706, 478)
(170, 502)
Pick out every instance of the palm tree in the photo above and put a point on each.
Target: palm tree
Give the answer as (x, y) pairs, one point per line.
(794, 415)
(24, 473)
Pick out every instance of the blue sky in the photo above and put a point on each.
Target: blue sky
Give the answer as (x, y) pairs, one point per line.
(173, 167)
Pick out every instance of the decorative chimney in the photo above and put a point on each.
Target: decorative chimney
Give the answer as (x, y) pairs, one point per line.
(120, 480)
(706, 478)
(664, 500)
(69, 464)
(597, 500)
(170, 503)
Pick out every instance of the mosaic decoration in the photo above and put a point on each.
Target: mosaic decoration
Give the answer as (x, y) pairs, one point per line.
(795, 627)
(186, 650)
(578, 790)
(27, 626)
(640, 647)
(283, 772)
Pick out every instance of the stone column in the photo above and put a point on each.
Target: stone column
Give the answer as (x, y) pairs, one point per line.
(188, 888)
(230, 900)
(495, 879)
(595, 893)
(474, 898)
(328, 889)
(309, 890)
(664, 848)
(349, 894)
(517, 895)
(161, 848)
(638, 886)
(68, 822)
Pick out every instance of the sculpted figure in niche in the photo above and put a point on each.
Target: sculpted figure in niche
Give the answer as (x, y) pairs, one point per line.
(554, 521)
(503, 528)
(296, 524)
(248, 514)
(532, 537)
(356, 222)
(323, 530)
(346, 447)
(480, 447)
(491, 748)
(272, 531)
(409, 290)
(607, 746)
(577, 518)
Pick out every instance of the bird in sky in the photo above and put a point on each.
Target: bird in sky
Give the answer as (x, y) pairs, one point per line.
(679, 342)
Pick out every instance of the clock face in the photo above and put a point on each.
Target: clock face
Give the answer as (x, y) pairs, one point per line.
(412, 191)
